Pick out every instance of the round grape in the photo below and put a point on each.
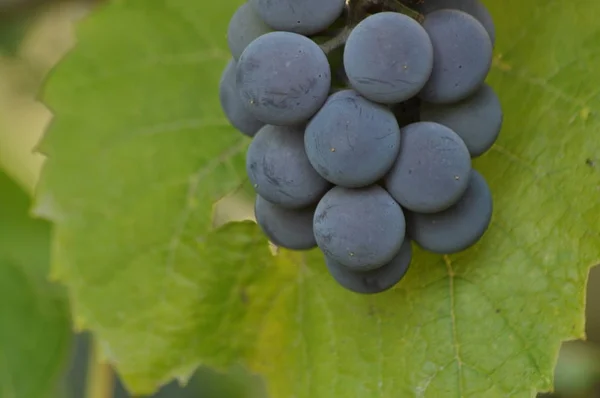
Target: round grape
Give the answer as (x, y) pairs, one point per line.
(373, 281)
(459, 227)
(362, 229)
(306, 17)
(352, 141)
(232, 105)
(476, 119)
(291, 229)
(388, 57)
(244, 27)
(462, 56)
(279, 169)
(473, 7)
(283, 78)
(432, 170)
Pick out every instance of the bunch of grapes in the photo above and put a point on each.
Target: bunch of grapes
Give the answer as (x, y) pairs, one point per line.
(365, 116)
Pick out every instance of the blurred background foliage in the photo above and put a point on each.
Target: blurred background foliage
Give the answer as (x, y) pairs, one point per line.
(34, 35)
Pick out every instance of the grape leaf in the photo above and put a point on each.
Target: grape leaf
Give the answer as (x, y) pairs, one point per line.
(139, 151)
(34, 317)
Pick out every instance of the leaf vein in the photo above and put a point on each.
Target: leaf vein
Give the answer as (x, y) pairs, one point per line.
(455, 342)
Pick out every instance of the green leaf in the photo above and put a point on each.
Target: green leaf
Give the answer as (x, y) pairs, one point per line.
(139, 151)
(34, 318)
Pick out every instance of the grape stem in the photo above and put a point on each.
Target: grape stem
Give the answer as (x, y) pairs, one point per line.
(336, 41)
(364, 7)
(357, 10)
(397, 6)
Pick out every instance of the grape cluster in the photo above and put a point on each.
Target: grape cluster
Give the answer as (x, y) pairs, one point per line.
(365, 116)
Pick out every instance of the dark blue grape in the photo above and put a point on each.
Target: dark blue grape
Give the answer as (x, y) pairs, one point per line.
(473, 7)
(352, 141)
(462, 56)
(362, 229)
(459, 227)
(278, 168)
(232, 105)
(373, 281)
(244, 27)
(476, 119)
(287, 228)
(432, 170)
(283, 78)
(388, 57)
(306, 17)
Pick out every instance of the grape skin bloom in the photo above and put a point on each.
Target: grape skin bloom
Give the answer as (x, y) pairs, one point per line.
(232, 105)
(364, 120)
(283, 78)
(374, 281)
(244, 27)
(477, 119)
(458, 227)
(278, 167)
(306, 17)
(388, 57)
(352, 141)
(462, 56)
(433, 168)
(362, 229)
(288, 228)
